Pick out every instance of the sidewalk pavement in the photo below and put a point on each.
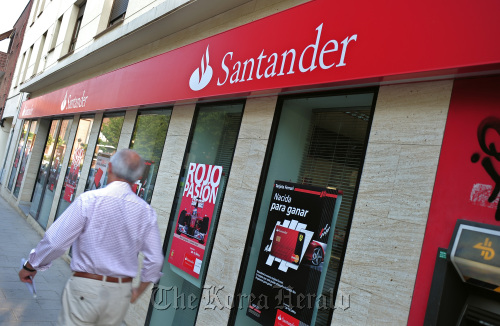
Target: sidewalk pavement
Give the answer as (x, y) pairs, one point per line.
(17, 306)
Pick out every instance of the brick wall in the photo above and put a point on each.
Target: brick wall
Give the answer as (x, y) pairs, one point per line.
(9, 60)
(3, 60)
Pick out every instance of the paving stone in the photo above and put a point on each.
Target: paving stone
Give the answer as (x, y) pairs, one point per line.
(17, 306)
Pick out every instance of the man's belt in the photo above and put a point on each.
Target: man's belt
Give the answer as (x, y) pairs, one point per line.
(105, 278)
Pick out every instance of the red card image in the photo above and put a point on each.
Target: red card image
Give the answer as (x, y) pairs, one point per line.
(287, 244)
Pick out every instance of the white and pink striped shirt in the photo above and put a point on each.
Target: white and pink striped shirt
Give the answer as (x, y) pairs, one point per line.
(108, 228)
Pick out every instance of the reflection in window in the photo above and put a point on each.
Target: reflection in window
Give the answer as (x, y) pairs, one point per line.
(19, 152)
(75, 164)
(107, 143)
(30, 140)
(148, 140)
(50, 169)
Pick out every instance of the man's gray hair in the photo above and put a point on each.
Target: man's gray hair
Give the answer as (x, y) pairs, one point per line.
(128, 165)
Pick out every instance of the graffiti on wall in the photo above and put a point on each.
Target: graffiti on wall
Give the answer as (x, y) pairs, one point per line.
(487, 132)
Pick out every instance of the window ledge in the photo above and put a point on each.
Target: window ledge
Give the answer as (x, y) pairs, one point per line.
(66, 55)
(110, 28)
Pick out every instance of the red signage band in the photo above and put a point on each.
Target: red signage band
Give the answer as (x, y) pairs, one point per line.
(318, 193)
(318, 43)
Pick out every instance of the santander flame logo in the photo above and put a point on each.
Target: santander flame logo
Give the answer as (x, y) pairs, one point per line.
(202, 75)
(64, 102)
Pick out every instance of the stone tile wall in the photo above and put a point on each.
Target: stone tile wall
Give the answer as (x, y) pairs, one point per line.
(393, 202)
(239, 200)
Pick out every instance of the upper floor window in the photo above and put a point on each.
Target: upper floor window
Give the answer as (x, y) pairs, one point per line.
(78, 24)
(55, 34)
(118, 11)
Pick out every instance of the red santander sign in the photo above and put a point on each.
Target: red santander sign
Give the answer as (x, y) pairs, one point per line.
(318, 44)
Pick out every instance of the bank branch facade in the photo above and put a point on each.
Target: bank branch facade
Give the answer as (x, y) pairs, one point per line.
(332, 163)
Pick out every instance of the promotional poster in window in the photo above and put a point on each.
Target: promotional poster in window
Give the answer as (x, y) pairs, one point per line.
(292, 256)
(195, 216)
(98, 180)
(74, 173)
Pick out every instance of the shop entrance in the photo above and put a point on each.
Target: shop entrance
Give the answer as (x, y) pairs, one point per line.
(24, 148)
(50, 168)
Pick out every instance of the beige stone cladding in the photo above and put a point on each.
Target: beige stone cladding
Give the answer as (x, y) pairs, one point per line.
(393, 202)
(242, 186)
(164, 192)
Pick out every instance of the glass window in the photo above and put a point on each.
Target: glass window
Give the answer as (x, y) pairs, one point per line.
(78, 25)
(30, 140)
(19, 152)
(320, 141)
(148, 140)
(213, 142)
(118, 11)
(75, 164)
(107, 143)
(50, 169)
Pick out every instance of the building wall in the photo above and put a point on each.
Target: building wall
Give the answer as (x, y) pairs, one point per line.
(240, 195)
(11, 57)
(396, 184)
(393, 202)
(95, 22)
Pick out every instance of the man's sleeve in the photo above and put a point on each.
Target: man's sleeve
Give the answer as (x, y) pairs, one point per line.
(153, 254)
(59, 237)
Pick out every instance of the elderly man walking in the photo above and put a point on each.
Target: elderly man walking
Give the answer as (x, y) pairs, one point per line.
(107, 228)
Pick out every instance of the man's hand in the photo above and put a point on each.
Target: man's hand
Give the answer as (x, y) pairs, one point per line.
(26, 276)
(136, 292)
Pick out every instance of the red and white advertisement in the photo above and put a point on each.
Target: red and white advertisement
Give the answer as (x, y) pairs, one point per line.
(195, 216)
(101, 171)
(72, 178)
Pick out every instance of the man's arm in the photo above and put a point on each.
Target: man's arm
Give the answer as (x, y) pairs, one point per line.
(27, 273)
(56, 241)
(136, 292)
(153, 260)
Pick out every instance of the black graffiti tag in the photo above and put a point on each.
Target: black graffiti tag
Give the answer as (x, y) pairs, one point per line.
(490, 150)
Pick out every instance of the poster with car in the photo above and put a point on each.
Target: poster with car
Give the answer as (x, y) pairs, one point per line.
(74, 172)
(98, 180)
(292, 254)
(193, 223)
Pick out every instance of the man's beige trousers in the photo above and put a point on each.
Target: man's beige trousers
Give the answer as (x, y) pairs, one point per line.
(91, 302)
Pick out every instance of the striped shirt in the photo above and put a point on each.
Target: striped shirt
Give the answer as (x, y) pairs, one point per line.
(107, 227)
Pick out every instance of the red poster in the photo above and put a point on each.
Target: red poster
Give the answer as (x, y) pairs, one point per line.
(72, 178)
(195, 216)
(101, 171)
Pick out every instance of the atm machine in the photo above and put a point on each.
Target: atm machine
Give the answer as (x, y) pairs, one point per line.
(465, 288)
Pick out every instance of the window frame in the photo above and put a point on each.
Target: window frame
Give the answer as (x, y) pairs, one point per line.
(252, 229)
(78, 25)
(118, 12)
